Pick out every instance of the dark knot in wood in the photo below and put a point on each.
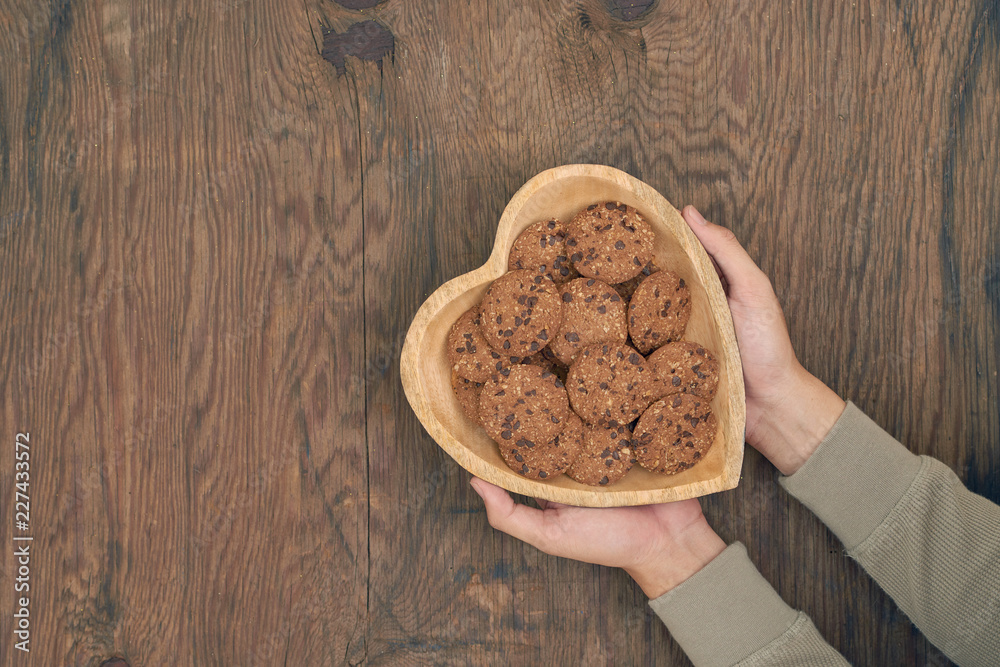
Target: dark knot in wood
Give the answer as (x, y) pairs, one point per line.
(358, 4)
(629, 10)
(366, 40)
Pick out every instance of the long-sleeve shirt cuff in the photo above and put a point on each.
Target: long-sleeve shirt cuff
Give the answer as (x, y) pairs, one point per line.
(725, 612)
(852, 499)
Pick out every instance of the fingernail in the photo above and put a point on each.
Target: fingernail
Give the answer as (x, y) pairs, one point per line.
(475, 488)
(697, 216)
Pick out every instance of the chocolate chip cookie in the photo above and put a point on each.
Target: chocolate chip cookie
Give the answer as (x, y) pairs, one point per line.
(674, 433)
(608, 384)
(610, 241)
(542, 248)
(544, 358)
(659, 311)
(593, 312)
(627, 288)
(467, 392)
(546, 460)
(684, 367)
(605, 457)
(470, 355)
(520, 312)
(526, 407)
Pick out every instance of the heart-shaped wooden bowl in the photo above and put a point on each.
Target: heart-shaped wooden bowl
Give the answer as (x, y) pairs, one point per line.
(560, 193)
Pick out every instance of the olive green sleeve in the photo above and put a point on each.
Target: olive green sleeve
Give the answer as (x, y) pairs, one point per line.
(727, 614)
(930, 543)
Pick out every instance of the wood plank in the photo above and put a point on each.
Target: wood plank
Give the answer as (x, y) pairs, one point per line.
(755, 142)
(201, 472)
(474, 594)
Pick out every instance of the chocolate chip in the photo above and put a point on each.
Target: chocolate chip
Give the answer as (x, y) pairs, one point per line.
(567, 297)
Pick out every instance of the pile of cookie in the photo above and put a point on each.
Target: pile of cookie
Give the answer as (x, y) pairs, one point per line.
(573, 362)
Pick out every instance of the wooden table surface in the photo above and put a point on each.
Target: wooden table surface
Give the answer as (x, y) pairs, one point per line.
(214, 238)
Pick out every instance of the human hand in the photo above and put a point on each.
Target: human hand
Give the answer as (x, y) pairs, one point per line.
(789, 411)
(660, 546)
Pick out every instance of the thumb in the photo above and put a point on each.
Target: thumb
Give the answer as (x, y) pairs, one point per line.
(525, 523)
(721, 244)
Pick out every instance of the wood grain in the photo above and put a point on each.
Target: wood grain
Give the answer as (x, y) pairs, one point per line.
(213, 241)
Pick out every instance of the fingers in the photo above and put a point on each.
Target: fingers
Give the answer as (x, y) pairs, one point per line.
(737, 267)
(550, 504)
(520, 521)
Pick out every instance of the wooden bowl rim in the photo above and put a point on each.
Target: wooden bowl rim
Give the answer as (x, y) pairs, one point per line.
(496, 266)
